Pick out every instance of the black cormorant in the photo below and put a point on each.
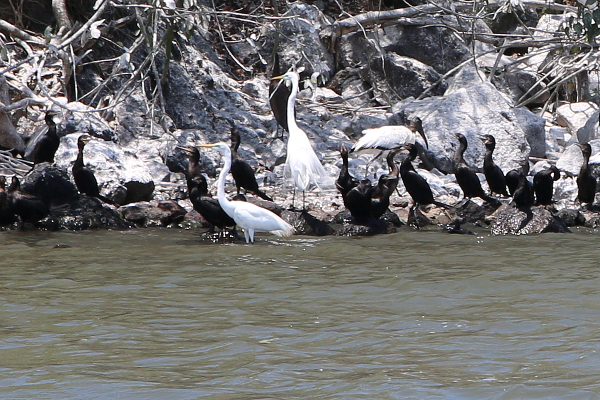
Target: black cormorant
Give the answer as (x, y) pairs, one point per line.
(42, 148)
(345, 182)
(512, 180)
(512, 177)
(380, 198)
(465, 177)
(415, 184)
(493, 174)
(358, 201)
(84, 178)
(242, 173)
(278, 95)
(28, 207)
(203, 202)
(543, 184)
(586, 183)
(523, 196)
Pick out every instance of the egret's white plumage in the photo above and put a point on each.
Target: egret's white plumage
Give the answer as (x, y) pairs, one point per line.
(301, 162)
(250, 217)
(389, 137)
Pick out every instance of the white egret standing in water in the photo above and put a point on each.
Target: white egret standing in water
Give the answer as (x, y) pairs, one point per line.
(248, 216)
(301, 162)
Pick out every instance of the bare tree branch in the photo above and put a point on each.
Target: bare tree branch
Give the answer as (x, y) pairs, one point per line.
(59, 7)
(17, 33)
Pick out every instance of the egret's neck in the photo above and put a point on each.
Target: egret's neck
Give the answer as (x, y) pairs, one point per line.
(225, 204)
(291, 115)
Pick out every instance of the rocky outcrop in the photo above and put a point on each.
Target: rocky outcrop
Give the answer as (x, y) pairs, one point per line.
(375, 76)
(509, 220)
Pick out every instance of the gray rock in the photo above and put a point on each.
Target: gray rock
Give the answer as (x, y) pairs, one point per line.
(571, 217)
(575, 117)
(589, 131)
(396, 78)
(51, 184)
(473, 111)
(435, 46)
(153, 213)
(299, 40)
(534, 128)
(508, 220)
(9, 137)
(521, 83)
(357, 49)
(570, 161)
(121, 175)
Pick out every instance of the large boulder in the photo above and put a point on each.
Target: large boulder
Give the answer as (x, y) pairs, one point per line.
(509, 220)
(121, 175)
(534, 128)
(299, 40)
(473, 110)
(575, 117)
(436, 46)
(395, 78)
(590, 128)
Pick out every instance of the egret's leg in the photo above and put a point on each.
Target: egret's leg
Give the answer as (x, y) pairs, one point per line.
(247, 235)
(293, 198)
(303, 200)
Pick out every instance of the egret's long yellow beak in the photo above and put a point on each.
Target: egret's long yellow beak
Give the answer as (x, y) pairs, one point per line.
(277, 77)
(205, 145)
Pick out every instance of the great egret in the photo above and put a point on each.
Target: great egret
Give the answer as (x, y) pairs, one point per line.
(586, 183)
(543, 184)
(28, 207)
(493, 174)
(380, 199)
(301, 162)
(201, 199)
(84, 178)
(247, 216)
(42, 146)
(242, 173)
(416, 186)
(465, 176)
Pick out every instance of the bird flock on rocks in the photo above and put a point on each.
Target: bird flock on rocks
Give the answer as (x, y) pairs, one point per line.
(366, 201)
(17, 205)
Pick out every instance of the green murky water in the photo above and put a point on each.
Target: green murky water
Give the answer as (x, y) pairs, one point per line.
(157, 314)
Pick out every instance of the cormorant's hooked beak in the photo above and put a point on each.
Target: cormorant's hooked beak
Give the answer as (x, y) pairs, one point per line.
(185, 149)
(85, 138)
